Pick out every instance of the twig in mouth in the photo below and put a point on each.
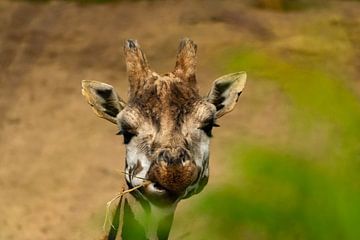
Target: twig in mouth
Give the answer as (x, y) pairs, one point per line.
(125, 173)
(108, 204)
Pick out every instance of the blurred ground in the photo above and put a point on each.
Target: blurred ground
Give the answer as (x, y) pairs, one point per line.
(294, 132)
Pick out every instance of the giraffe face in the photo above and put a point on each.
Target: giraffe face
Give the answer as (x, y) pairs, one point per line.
(166, 130)
(166, 124)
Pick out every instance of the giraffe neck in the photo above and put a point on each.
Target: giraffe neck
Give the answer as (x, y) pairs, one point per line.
(152, 223)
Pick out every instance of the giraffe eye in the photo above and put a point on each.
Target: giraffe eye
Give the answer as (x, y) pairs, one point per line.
(207, 127)
(127, 133)
(128, 136)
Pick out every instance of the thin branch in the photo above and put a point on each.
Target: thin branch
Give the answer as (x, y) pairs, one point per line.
(125, 173)
(108, 204)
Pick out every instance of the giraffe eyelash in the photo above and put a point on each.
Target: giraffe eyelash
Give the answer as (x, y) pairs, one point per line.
(208, 126)
(127, 134)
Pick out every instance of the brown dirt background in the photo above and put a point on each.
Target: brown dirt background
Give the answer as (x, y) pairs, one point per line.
(58, 161)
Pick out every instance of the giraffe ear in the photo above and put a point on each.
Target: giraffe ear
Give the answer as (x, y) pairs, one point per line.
(103, 99)
(225, 92)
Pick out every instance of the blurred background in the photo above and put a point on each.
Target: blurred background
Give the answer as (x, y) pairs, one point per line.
(285, 163)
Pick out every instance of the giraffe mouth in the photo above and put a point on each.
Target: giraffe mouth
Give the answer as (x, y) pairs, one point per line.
(157, 188)
(160, 195)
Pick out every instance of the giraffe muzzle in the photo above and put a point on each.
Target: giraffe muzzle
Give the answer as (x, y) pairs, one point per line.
(173, 176)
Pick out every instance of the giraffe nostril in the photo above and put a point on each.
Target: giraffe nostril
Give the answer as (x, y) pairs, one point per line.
(164, 156)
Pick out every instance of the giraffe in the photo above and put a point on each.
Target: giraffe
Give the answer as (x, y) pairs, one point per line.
(166, 127)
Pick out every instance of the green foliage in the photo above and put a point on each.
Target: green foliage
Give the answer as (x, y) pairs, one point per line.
(115, 223)
(283, 196)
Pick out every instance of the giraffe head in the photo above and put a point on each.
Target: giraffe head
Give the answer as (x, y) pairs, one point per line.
(166, 124)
